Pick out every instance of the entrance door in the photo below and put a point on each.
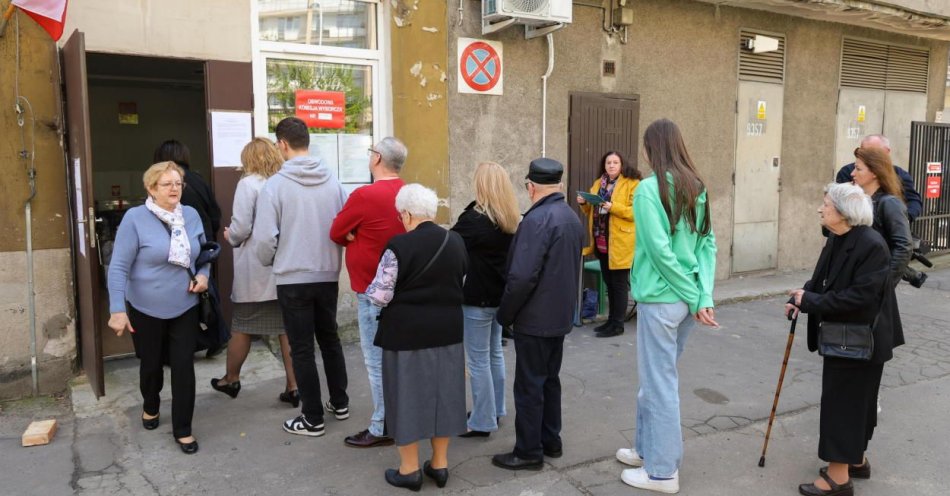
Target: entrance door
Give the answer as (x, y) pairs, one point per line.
(599, 123)
(85, 249)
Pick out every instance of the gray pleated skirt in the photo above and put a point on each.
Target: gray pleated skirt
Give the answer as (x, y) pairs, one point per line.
(262, 318)
(424, 393)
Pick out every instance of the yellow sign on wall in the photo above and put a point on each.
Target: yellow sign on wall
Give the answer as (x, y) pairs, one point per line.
(760, 110)
(862, 113)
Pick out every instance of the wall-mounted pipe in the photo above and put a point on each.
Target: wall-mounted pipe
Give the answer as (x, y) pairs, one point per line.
(544, 95)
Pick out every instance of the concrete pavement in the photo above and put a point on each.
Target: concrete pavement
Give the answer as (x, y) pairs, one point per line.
(728, 377)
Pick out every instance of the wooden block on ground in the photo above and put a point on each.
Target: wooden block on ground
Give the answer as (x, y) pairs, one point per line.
(39, 432)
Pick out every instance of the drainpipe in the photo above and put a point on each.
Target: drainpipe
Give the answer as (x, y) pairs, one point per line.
(544, 95)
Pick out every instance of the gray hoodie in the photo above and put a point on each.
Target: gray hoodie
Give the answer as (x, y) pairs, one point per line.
(292, 230)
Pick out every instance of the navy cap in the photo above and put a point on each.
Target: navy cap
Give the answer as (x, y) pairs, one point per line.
(545, 171)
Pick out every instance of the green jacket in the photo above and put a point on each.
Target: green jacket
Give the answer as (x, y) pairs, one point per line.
(670, 268)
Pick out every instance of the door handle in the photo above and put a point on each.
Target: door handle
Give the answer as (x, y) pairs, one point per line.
(92, 229)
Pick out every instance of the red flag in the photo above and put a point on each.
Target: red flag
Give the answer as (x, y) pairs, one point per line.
(49, 14)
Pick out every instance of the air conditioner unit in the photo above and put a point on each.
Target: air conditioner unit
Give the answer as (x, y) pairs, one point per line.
(538, 16)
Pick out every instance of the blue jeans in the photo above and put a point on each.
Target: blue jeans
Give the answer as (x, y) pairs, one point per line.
(486, 366)
(662, 329)
(373, 358)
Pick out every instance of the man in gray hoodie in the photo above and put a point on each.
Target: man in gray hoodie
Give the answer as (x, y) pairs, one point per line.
(295, 210)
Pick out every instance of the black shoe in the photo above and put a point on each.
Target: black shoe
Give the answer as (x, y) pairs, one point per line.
(366, 439)
(231, 389)
(603, 327)
(860, 471)
(846, 489)
(150, 424)
(553, 453)
(188, 448)
(507, 332)
(611, 331)
(411, 481)
(475, 434)
(511, 462)
(292, 397)
(439, 475)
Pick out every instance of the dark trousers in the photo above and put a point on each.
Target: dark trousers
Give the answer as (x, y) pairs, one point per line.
(176, 338)
(618, 288)
(537, 392)
(848, 409)
(309, 311)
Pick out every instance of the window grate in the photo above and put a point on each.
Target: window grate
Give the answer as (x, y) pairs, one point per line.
(768, 67)
(879, 66)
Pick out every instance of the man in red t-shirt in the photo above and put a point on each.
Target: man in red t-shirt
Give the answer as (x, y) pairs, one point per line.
(364, 226)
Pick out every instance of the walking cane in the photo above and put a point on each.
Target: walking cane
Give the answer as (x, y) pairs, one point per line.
(778, 388)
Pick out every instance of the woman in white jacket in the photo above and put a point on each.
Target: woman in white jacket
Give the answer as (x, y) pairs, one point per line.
(255, 292)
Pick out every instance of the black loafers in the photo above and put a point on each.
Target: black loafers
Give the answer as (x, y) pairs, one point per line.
(188, 448)
(231, 389)
(439, 475)
(150, 424)
(292, 397)
(510, 461)
(860, 471)
(846, 489)
(553, 452)
(411, 481)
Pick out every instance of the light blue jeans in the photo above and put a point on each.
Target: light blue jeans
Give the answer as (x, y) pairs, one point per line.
(373, 358)
(486, 366)
(662, 329)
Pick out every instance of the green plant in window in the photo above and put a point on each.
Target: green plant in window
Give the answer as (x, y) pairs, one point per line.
(284, 78)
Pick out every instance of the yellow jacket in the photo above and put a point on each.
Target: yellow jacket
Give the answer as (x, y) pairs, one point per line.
(621, 236)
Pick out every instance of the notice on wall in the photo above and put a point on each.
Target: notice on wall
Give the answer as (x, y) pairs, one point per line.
(933, 186)
(230, 132)
(354, 165)
(321, 109)
(80, 208)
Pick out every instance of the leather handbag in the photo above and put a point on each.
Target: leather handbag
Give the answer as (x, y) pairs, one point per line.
(846, 340)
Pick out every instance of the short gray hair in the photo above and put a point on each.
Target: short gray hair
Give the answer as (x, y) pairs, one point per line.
(392, 152)
(886, 143)
(417, 200)
(851, 202)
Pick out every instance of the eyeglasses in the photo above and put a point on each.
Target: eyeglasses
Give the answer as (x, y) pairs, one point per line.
(169, 185)
(370, 152)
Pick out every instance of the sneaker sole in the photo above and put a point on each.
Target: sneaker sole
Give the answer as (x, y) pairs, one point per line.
(650, 487)
(304, 432)
(636, 463)
(341, 416)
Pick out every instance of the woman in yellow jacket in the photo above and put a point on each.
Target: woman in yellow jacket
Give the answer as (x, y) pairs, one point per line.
(612, 234)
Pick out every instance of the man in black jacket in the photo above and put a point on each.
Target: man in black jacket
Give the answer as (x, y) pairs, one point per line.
(538, 301)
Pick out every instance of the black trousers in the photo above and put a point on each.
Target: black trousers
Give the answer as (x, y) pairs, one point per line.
(537, 393)
(309, 311)
(848, 409)
(618, 288)
(176, 338)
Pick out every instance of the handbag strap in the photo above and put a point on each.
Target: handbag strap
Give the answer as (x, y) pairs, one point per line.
(431, 260)
(190, 273)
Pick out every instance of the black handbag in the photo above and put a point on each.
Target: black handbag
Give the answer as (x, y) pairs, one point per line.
(846, 340)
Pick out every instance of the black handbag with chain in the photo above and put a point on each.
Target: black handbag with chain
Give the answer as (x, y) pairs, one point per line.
(846, 340)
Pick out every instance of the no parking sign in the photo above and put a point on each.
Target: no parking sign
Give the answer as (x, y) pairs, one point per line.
(480, 67)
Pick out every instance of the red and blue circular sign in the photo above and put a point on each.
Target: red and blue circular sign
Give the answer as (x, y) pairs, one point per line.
(480, 66)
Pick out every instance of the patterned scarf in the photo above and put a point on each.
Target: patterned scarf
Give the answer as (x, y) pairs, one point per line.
(601, 218)
(179, 249)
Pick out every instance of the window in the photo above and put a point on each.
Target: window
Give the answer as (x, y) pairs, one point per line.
(319, 60)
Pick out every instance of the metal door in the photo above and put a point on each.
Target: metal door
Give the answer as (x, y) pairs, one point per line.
(860, 113)
(85, 248)
(758, 163)
(900, 109)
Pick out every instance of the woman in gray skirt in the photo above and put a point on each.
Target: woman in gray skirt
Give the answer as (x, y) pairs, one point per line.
(255, 292)
(419, 284)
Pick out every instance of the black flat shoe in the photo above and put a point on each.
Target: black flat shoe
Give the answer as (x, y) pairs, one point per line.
(510, 461)
(439, 475)
(150, 424)
(475, 434)
(231, 389)
(603, 327)
(188, 448)
(609, 332)
(553, 453)
(846, 489)
(411, 481)
(292, 397)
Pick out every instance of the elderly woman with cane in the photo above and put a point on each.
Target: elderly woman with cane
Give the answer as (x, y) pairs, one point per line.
(419, 285)
(845, 292)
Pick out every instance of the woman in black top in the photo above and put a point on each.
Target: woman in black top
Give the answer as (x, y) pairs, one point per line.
(487, 226)
(849, 282)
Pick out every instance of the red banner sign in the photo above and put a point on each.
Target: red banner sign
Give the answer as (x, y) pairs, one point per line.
(322, 109)
(933, 186)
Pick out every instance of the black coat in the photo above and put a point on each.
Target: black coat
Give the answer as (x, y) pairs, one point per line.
(890, 221)
(849, 283)
(487, 247)
(544, 265)
(198, 195)
(914, 204)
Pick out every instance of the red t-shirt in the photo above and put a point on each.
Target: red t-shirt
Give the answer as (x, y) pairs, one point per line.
(370, 214)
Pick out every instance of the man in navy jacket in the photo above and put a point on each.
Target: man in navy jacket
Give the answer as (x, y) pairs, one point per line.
(911, 197)
(538, 302)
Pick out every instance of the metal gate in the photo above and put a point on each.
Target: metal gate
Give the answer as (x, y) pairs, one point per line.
(930, 144)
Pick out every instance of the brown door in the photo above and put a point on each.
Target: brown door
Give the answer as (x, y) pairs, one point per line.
(228, 87)
(599, 123)
(85, 247)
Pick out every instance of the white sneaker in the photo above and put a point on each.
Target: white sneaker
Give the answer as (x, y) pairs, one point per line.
(629, 456)
(638, 477)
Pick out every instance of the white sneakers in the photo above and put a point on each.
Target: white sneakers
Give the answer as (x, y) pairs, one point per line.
(629, 456)
(638, 477)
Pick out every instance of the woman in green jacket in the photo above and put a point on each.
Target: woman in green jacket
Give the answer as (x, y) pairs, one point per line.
(672, 279)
